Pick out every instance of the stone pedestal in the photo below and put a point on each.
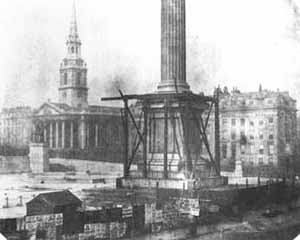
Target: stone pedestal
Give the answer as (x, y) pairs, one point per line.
(238, 171)
(38, 157)
(174, 146)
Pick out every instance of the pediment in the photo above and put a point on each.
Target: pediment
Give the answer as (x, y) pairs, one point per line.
(47, 109)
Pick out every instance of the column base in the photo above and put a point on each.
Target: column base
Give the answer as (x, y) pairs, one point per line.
(170, 86)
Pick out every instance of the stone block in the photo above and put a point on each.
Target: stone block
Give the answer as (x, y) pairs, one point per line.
(38, 157)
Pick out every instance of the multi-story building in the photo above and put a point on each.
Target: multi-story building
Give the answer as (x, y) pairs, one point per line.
(257, 128)
(15, 127)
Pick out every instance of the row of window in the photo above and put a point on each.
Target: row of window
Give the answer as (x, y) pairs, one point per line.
(261, 161)
(235, 102)
(243, 122)
(251, 137)
(251, 150)
(79, 95)
(77, 79)
(74, 49)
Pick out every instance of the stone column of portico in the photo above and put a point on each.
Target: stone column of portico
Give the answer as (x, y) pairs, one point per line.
(45, 134)
(87, 134)
(51, 135)
(96, 135)
(71, 134)
(173, 47)
(56, 134)
(63, 134)
(82, 133)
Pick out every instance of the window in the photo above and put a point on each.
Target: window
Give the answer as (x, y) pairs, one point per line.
(271, 137)
(72, 49)
(251, 137)
(233, 136)
(64, 95)
(271, 120)
(243, 149)
(260, 161)
(242, 122)
(271, 149)
(224, 121)
(233, 122)
(233, 151)
(79, 95)
(65, 78)
(78, 78)
(252, 149)
(251, 123)
(261, 122)
(224, 150)
(261, 150)
(261, 136)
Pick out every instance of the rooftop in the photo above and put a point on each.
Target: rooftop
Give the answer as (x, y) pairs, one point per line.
(61, 198)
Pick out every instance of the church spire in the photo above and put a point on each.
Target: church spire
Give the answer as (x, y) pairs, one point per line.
(73, 41)
(73, 88)
(73, 27)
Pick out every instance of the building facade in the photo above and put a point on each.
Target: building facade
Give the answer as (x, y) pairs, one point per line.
(15, 129)
(72, 128)
(258, 129)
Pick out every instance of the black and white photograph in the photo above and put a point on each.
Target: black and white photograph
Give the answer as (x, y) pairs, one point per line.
(149, 120)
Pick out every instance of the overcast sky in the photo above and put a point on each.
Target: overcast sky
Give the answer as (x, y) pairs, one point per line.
(238, 43)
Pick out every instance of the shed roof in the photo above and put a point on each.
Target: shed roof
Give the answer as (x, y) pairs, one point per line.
(61, 198)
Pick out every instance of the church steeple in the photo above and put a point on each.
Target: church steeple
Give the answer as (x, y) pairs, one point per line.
(73, 72)
(73, 27)
(73, 41)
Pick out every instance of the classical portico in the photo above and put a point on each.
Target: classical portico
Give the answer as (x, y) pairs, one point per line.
(62, 127)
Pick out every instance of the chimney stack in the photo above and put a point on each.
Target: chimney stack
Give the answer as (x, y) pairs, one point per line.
(173, 47)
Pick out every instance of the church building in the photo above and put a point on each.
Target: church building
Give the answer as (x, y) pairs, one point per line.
(72, 128)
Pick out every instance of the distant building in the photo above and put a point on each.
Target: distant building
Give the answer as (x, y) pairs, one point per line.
(259, 129)
(15, 128)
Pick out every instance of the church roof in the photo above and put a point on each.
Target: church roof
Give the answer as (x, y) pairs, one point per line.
(51, 108)
(63, 106)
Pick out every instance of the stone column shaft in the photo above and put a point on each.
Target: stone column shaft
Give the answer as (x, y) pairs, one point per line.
(71, 134)
(96, 136)
(51, 135)
(63, 134)
(56, 134)
(87, 134)
(173, 47)
(82, 134)
(45, 135)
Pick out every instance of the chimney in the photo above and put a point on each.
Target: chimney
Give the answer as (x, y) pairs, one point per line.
(173, 47)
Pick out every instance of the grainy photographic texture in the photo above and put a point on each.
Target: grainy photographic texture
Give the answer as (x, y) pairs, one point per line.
(139, 119)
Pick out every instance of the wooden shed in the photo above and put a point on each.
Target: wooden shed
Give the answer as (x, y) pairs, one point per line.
(53, 202)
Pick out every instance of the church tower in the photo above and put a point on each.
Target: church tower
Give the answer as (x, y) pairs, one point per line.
(73, 88)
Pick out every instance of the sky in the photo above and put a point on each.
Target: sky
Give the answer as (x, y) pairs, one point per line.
(234, 43)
